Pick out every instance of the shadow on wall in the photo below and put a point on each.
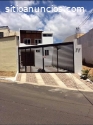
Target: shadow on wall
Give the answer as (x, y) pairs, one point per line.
(86, 64)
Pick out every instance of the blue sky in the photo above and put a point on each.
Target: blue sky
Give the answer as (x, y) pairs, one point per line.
(62, 24)
(86, 4)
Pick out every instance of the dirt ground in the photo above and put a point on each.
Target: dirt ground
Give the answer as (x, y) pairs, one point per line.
(7, 73)
(89, 67)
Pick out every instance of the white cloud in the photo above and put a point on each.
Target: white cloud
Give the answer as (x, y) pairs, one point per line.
(20, 20)
(62, 24)
(25, 3)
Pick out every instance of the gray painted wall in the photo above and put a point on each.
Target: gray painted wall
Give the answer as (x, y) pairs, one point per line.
(47, 59)
(38, 58)
(65, 57)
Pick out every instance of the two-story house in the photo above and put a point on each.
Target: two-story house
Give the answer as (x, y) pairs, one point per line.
(33, 57)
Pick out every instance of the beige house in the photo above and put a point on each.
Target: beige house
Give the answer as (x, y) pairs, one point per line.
(72, 37)
(8, 49)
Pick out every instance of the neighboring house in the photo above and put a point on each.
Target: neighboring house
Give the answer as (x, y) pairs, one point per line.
(87, 46)
(72, 37)
(8, 49)
(86, 40)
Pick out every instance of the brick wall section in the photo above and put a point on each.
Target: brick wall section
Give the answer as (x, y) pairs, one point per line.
(8, 54)
(32, 36)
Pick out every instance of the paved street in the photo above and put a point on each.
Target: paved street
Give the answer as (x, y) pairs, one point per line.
(32, 104)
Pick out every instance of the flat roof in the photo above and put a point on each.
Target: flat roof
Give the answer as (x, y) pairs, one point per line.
(8, 36)
(4, 27)
(30, 31)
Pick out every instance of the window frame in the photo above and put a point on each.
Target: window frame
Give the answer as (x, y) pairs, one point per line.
(46, 52)
(38, 41)
(47, 35)
(1, 34)
(37, 50)
(27, 40)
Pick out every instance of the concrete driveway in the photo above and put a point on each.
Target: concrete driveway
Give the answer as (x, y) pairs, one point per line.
(62, 80)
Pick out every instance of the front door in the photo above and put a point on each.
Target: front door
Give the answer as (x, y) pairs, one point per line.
(27, 58)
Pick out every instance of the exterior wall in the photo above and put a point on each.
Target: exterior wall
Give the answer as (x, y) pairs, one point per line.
(47, 40)
(30, 34)
(11, 33)
(77, 57)
(87, 46)
(5, 31)
(38, 58)
(17, 33)
(48, 59)
(65, 57)
(8, 32)
(8, 54)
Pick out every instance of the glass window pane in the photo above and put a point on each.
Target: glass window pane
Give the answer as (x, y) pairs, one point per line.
(28, 41)
(25, 41)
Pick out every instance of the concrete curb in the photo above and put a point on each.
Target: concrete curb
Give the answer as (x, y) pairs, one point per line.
(72, 89)
(9, 78)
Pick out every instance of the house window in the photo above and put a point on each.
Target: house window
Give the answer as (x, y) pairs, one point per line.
(1, 34)
(38, 51)
(27, 41)
(47, 35)
(17, 37)
(46, 52)
(37, 41)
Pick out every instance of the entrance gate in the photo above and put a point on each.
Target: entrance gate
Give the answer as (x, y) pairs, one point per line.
(46, 58)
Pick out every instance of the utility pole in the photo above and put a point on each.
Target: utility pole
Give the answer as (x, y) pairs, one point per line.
(77, 32)
(82, 23)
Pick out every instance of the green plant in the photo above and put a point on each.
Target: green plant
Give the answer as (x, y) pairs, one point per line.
(85, 74)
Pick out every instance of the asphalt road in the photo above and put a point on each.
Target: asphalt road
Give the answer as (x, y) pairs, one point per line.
(29, 104)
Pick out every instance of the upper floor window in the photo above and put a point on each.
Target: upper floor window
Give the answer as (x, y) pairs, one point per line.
(37, 41)
(47, 35)
(27, 41)
(1, 34)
